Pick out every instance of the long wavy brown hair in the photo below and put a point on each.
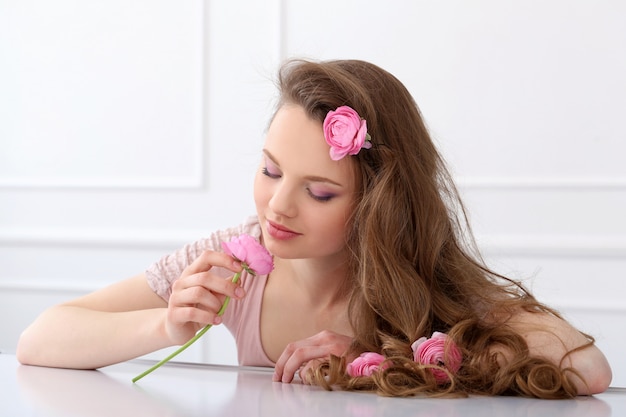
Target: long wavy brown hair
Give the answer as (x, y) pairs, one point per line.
(414, 264)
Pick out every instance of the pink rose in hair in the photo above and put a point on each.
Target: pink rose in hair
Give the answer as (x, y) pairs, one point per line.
(366, 364)
(345, 132)
(438, 350)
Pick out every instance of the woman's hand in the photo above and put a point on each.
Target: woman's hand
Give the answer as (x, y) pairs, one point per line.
(198, 295)
(303, 355)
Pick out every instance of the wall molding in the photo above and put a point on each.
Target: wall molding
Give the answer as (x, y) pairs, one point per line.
(593, 183)
(43, 286)
(197, 180)
(98, 239)
(554, 245)
(194, 182)
(39, 286)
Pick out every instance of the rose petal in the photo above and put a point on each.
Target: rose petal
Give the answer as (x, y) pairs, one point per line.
(247, 250)
(440, 351)
(366, 364)
(345, 132)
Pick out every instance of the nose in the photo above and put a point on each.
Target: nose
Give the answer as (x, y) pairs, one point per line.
(283, 201)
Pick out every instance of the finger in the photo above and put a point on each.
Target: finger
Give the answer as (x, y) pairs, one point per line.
(295, 349)
(190, 314)
(197, 296)
(306, 369)
(206, 281)
(209, 259)
(282, 360)
(200, 305)
(301, 355)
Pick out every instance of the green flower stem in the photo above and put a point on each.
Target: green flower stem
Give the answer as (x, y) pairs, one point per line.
(193, 339)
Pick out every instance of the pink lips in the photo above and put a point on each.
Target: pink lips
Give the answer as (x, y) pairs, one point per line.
(280, 232)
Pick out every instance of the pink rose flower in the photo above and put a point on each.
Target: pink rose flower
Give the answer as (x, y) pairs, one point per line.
(366, 364)
(433, 352)
(345, 132)
(253, 256)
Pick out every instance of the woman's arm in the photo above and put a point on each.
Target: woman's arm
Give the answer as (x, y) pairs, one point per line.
(128, 319)
(111, 325)
(551, 338)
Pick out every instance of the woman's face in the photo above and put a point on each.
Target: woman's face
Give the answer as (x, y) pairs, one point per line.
(303, 198)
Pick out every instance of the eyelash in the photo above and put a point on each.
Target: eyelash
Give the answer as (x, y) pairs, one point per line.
(269, 174)
(321, 199)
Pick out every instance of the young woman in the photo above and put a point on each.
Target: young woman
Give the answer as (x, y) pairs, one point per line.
(371, 254)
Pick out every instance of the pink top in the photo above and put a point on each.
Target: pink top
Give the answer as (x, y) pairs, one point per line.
(242, 318)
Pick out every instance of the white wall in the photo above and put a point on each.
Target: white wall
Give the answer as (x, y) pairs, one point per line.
(130, 128)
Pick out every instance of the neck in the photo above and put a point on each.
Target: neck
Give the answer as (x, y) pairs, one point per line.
(322, 281)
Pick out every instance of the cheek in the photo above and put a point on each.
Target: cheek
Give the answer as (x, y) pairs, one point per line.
(335, 226)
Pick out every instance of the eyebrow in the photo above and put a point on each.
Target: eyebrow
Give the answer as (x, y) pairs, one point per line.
(313, 178)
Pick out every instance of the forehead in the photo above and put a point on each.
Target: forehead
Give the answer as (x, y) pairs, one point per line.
(297, 143)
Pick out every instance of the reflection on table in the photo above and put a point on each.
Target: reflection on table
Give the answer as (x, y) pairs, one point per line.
(204, 390)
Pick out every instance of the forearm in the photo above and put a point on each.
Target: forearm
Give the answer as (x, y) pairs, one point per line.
(76, 337)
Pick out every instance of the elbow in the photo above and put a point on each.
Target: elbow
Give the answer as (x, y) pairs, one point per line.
(598, 382)
(24, 352)
(596, 373)
(30, 350)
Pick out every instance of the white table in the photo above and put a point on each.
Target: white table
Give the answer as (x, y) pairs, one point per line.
(178, 389)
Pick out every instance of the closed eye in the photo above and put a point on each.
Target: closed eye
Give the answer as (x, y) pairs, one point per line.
(321, 198)
(267, 173)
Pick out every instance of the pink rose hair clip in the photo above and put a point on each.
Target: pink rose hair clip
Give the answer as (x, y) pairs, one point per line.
(439, 353)
(345, 132)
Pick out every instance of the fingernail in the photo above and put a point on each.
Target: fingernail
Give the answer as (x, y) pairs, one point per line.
(217, 320)
(239, 292)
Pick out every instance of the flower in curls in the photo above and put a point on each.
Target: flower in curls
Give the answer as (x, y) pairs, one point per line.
(366, 364)
(438, 350)
(345, 132)
(254, 258)
(252, 255)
